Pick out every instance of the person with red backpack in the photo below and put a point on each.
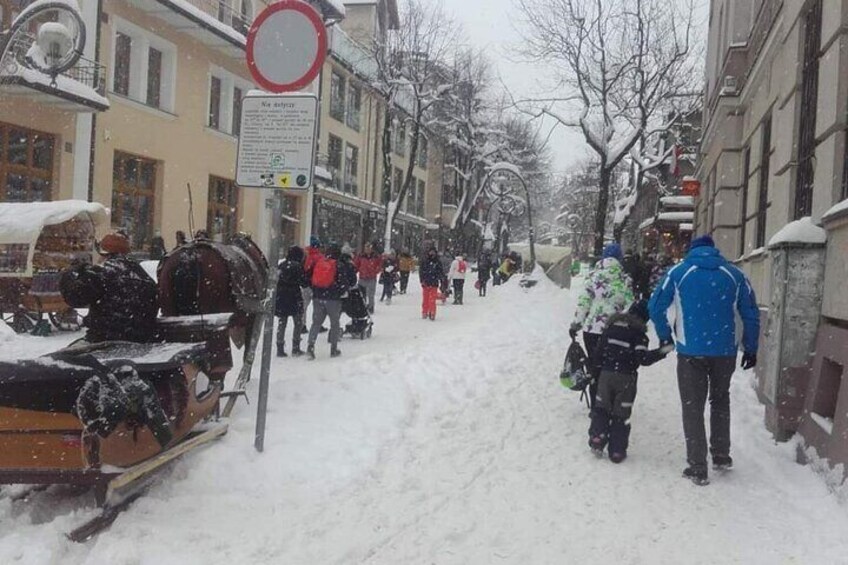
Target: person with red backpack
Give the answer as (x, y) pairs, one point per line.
(332, 277)
(458, 269)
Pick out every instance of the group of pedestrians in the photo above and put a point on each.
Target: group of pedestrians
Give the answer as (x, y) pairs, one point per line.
(320, 276)
(708, 293)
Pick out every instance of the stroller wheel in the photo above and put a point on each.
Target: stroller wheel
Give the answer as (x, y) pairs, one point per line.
(368, 332)
(362, 336)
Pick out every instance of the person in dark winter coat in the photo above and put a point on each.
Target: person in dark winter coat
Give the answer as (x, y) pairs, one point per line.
(431, 274)
(484, 271)
(289, 301)
(709, 293)
(121, 298)
(639, 277)
(327, 300)
(621, 350)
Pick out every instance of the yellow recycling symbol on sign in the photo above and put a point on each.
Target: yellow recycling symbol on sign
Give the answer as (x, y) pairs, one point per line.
(284, 180)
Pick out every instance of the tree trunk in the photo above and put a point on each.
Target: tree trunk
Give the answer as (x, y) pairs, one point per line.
(601, 211)
(387, 164)
(395, 202)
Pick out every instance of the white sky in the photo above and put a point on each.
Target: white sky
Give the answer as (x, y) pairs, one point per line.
(493, 26)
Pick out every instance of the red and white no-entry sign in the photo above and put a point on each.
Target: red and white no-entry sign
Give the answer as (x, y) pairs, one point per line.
(286, 46)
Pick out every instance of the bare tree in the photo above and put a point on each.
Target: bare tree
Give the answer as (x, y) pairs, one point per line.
(411, 74)
(622, 62)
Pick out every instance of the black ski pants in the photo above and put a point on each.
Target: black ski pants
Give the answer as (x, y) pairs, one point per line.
(613, 407)
(404, 281)
(458, 288)
(699, 378)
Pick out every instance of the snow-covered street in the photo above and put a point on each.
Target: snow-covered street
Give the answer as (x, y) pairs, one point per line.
(449, 442)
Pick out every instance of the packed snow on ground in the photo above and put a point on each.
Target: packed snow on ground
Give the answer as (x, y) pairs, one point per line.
(449, 442)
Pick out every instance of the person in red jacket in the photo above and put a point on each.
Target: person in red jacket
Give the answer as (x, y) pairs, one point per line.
(369, 265)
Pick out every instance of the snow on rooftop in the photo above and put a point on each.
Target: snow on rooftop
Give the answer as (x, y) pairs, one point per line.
(836, 210)
(799, 231)
(22, 222)
(676, 216)
(678, 201)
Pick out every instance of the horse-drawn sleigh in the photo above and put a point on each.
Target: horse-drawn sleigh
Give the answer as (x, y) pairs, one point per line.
(37, 241)
(110, 414)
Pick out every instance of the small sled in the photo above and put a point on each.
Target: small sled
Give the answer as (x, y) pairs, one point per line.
(354, 306)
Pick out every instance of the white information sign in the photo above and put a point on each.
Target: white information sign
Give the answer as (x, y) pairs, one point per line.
(277, 141)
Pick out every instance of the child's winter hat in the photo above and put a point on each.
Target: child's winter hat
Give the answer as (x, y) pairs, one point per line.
(612, 250)
(315, 241)
(640, 310)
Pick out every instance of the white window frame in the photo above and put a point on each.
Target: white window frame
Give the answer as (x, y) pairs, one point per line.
(229, 82)
(142, 41)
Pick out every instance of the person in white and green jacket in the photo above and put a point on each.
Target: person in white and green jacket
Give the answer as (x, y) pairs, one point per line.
(608, 291)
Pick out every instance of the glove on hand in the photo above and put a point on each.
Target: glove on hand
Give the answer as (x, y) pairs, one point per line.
(572, 331)
(666, 346)
(749, 360)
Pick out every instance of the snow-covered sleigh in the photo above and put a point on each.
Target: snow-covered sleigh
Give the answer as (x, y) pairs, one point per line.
(49, 411)
(110, 415)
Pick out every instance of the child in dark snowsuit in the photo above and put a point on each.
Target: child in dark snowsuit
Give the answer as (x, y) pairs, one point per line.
(622, 348)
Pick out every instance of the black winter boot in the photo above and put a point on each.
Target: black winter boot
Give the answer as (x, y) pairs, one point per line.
(334, 351)
(281, 350)
(296, 350)
(697, 476)
(722, 462)
(310, 352)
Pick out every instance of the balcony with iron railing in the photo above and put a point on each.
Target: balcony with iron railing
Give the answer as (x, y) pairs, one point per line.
(81, 88)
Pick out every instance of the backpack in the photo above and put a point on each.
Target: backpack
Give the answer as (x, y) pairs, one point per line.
(463, 266)
(575, 373)
(324, 273)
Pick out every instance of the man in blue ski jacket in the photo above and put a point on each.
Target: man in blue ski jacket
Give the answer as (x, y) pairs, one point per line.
(710, 295)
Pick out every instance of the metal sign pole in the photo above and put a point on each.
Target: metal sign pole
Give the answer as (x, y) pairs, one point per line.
(268, 330)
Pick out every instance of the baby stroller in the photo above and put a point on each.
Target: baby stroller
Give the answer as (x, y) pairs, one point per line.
(354, 306)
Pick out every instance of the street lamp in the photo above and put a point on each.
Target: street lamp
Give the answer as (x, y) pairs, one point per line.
(501, 190)
(57, 45)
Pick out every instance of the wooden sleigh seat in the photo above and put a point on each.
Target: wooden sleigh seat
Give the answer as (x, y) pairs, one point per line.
(43, 441)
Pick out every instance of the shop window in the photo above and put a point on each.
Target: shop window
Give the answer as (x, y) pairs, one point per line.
(133, 197)
(337, 96)
(222, 209)
(26, 164)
